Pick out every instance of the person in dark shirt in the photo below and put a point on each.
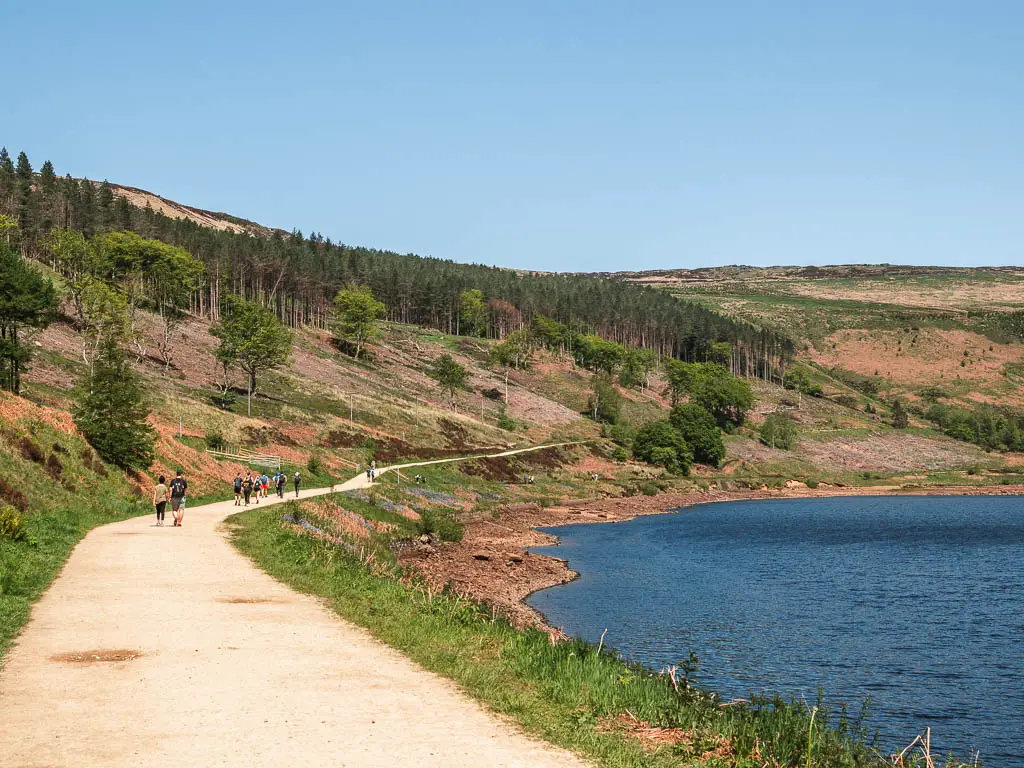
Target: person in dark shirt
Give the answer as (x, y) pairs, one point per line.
(178, 488)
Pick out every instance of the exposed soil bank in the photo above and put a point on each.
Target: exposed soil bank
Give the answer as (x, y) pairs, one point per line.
(492, 565)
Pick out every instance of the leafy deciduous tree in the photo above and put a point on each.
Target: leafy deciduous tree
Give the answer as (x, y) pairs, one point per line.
(252, 338)
(779, 431)
(472, 312)
(605, 402)
(512, 353)
(658, 442)
(700, 431)
(450, 376)
(356, 313)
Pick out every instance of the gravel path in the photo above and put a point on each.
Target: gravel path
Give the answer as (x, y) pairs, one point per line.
(163, 647)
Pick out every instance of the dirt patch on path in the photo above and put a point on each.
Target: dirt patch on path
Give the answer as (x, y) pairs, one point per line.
(99, 656)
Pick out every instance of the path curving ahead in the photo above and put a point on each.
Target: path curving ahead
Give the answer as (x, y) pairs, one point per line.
(232, 669)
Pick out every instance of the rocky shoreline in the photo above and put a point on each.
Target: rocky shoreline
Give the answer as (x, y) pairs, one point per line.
(493, 565)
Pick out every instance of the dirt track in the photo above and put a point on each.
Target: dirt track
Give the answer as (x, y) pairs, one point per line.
(164, 647)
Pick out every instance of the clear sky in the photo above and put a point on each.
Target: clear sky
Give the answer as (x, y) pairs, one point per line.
(549, 135)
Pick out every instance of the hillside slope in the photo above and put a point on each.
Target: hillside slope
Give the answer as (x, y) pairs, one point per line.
(958, 330)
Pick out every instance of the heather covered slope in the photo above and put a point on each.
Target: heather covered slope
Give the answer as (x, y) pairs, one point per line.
(924, 334)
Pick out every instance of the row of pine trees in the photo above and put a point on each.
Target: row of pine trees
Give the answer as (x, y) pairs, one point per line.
(298, 276)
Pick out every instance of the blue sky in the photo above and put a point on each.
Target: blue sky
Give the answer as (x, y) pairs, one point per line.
(549, 135)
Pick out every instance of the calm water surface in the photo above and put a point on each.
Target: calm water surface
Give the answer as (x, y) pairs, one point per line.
(915, 602)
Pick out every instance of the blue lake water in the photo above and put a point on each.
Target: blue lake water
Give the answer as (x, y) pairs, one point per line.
(915, 602)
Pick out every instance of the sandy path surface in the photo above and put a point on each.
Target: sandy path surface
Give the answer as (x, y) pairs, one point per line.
(231, 668)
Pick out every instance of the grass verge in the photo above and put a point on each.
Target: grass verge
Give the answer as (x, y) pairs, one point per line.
(53, 490)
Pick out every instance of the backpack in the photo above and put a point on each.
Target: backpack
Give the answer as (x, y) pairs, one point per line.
(238, 484)
(178, 486)
(296, 477)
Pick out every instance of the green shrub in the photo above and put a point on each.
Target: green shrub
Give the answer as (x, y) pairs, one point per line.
(224, 400)
(504, 422)
(932, 394)
(648, 489)
(619, 454)
(314, 464)
(440, 524)
(658, 442)
(848, 401)
(12, 524)
(622, 434)
(811, 483)
(215, 441)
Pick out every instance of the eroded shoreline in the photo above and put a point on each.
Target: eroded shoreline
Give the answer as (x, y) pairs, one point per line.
(493, 565)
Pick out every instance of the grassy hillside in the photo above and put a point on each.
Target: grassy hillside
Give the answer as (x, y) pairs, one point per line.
(959, 330)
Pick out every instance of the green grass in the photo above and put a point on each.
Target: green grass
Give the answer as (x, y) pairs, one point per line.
(567, 693)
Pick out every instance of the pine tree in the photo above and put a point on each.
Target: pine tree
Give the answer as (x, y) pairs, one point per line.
(6, 183)
(900, 419)
(27, 301)
(112, 412)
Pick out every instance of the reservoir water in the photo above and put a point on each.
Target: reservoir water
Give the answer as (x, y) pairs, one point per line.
(915, 602)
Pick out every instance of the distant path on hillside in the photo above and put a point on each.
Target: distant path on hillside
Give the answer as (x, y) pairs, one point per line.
(162, 647)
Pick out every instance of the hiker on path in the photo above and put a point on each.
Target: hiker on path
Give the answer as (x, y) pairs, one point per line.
(247, 487)
(280, 480)
(238, 489)
(266, 485)
(178, 488)
(160, 499)
(298, 481)
(369, 474)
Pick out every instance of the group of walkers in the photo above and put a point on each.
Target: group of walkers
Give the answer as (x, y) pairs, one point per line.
(173, 493)
(254, 486)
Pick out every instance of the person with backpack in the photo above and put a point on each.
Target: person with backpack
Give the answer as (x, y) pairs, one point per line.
(238, 489)
(178, 488)
(279, 481)
(247, 487)
(266, 484)
(298, 481)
